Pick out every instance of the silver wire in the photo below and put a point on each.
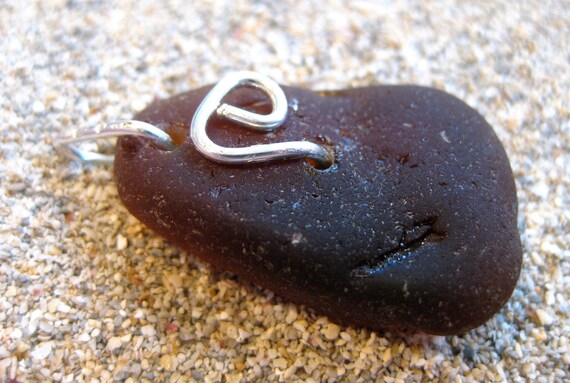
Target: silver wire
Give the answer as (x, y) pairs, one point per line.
(212, 103)
(66, 144)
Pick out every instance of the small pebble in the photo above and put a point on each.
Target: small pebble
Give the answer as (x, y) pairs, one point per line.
(38, 107)
(331, 331)
(16, 333)
(114, 343)
(84, 338)
(168, 362)
(42, 351)
(544, 318)
(280, 363)
(148, 330)
(122, 242)
(63, 308)
(11, 291)
(46, 327)
(34, 321)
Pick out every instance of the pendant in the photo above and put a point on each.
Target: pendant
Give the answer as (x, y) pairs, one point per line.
(387, 207)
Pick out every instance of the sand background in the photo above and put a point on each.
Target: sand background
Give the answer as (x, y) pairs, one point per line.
(89, 294)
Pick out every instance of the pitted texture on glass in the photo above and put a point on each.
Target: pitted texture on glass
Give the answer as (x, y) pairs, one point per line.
(414, 226)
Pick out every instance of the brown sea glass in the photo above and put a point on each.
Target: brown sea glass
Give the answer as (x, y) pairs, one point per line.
(414, 226)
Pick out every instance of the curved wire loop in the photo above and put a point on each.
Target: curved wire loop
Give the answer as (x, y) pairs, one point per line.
(212, 103)
(66, 144)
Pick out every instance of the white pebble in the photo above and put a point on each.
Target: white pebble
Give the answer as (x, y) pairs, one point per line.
(85, 337)
(138, 104)
(59, 104)
(544, 318)
(114, 343)
(549, 298)
(11, 291)
(148, 330)
(16, 333)
(139, 314)
(46, 327)
(63, 308)
(35, 317)
(122, 242)
(23, 308)
(42, 351)
(52, 305)
(38, 107)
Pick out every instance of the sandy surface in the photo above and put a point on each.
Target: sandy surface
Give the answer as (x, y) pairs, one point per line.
(89, 294)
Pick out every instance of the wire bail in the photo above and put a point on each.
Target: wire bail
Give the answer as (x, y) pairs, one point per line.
(212, 103)
(66, 143)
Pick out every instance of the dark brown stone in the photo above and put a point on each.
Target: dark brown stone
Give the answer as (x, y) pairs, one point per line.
(413, 227)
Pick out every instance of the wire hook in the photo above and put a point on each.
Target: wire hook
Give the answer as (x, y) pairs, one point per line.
(65, 144)
(212, 103)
